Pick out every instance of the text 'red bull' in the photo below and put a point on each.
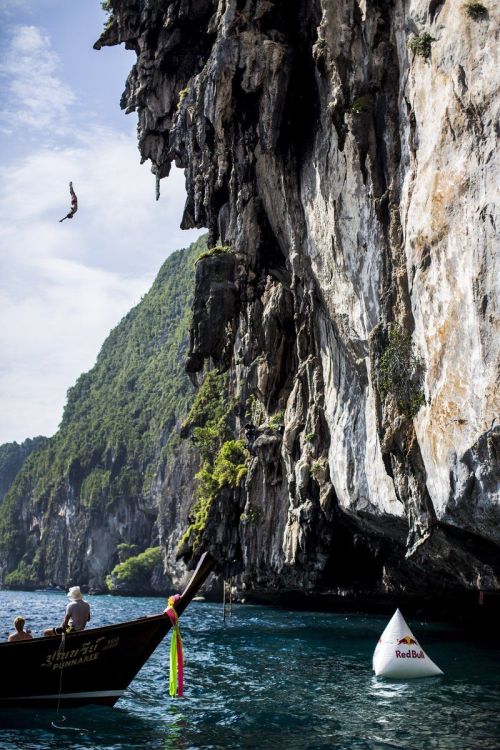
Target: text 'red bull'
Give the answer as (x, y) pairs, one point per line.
(410, 654)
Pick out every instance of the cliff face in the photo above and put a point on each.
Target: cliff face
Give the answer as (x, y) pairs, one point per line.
(344, 152)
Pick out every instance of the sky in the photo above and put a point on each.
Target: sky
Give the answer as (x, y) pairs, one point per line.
(64, 286)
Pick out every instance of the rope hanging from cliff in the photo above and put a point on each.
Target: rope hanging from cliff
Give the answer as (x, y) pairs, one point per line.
(176, 683)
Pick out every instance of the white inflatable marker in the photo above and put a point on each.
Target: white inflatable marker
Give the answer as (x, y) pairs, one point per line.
(399, 655)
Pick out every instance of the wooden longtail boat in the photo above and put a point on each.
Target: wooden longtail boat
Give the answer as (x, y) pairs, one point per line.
(93, 666)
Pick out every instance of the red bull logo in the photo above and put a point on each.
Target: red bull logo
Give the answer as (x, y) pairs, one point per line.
(407, 641)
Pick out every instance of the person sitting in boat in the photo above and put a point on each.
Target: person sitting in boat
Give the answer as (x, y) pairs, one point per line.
(20, 634)
(77, 614)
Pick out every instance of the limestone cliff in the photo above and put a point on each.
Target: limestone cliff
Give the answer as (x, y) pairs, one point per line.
(344, 151)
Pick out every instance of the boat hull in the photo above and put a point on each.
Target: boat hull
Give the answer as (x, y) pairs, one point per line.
(93, 666)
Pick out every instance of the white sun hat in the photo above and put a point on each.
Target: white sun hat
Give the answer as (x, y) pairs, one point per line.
(74, 593)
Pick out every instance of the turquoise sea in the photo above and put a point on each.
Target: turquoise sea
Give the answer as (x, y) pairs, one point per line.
(270, 679)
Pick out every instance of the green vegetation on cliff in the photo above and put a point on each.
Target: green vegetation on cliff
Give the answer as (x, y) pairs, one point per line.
(218, 250)
(135, 571)
(477, 11)
(401, 372)
(113, 439)
(223, 459)
(421, 44)
(12, 457)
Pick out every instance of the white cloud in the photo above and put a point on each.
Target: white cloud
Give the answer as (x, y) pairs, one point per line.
(35, 95)
(9, 7)
(118, 224)
(64, 286)
(50, 336)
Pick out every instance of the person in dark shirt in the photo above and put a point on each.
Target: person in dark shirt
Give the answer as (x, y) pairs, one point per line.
(74, 204)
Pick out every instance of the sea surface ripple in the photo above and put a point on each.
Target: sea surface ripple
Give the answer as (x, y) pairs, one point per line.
(268, 679)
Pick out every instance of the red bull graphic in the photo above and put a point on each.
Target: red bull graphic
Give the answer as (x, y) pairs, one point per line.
(407, 641)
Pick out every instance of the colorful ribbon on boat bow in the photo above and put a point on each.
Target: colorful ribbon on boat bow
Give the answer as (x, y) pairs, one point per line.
(176, 685)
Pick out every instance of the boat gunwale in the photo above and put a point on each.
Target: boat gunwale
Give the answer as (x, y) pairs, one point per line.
(88, 631)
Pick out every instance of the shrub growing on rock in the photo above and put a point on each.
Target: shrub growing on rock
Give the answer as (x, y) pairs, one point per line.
(23, 576)
(277, 420)
(227, 470)
(401, 372)
(217, 250)
(135, 571)
(182, 95)
(421, 44)
(476, 11)
(360, 105)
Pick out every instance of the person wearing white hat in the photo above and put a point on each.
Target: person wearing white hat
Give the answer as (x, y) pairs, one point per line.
(76, 616)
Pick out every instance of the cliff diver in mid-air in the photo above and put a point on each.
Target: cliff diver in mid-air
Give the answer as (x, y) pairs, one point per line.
(74, 204)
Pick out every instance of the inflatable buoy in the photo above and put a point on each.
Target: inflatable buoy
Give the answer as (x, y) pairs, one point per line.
(399, 655)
